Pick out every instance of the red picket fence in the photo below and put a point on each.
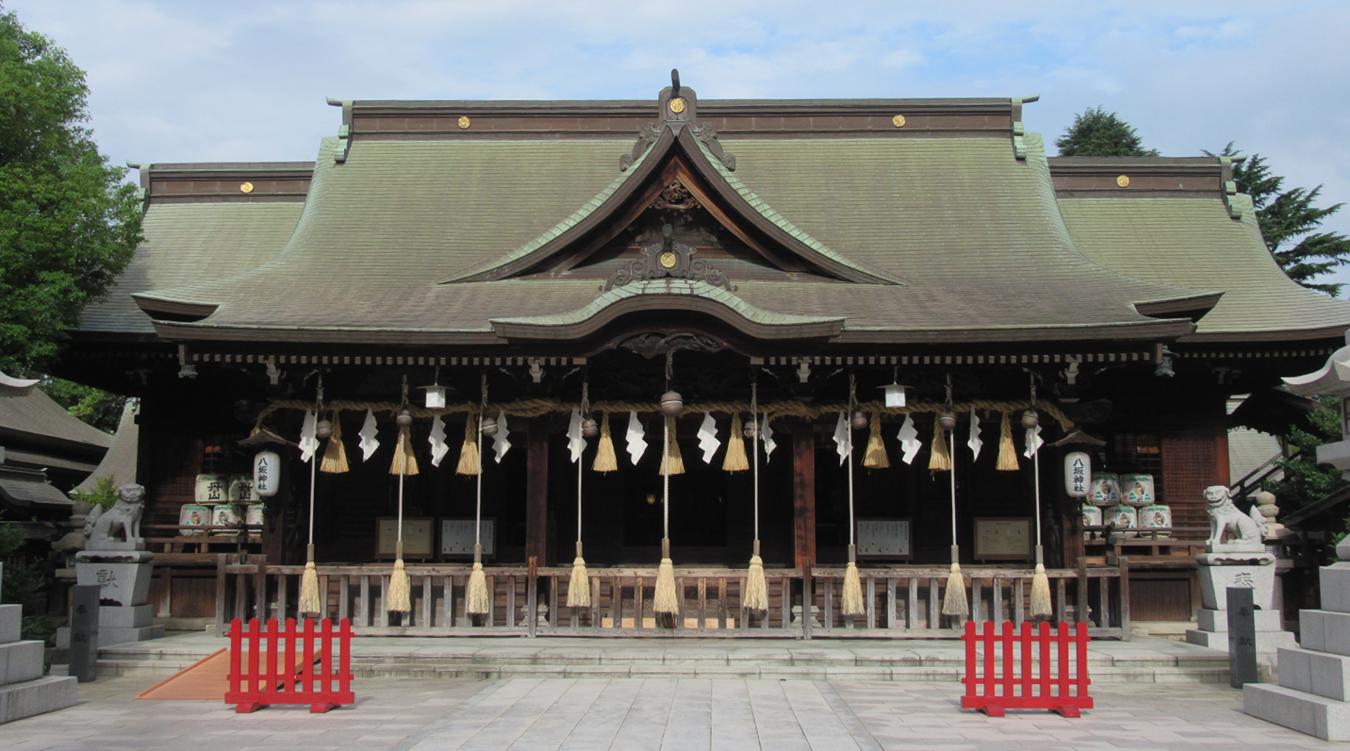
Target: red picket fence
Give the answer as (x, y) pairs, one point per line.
(1001, 669)
(276, 664)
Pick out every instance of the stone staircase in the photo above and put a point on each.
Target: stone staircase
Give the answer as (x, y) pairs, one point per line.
(24, 691)
(1139, 661)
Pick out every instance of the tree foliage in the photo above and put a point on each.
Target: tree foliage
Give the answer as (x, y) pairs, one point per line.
(1291, 222)
(1096, 132)
(1306, 481)
(68, 225)
(95, 406)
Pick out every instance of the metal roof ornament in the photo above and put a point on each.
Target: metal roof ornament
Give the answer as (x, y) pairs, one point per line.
(668, 259)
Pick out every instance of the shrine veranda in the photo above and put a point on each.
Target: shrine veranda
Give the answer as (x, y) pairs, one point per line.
(774, 262)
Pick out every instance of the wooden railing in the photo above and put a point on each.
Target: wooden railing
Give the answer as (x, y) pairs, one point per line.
(526, 601)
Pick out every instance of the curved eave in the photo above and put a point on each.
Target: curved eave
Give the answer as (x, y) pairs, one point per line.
(158, 306)
(1332, 378)
(1152, 331)
(1320, 333)
(669, 296)
(1194, 306)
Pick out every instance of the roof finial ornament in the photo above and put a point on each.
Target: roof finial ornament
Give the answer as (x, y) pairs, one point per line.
(674, 82)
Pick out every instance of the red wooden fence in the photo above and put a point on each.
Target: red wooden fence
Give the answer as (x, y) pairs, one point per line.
(1001, 669)
(267, 668)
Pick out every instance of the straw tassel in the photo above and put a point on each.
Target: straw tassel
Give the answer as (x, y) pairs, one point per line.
(940, 459)
(1007, 453)
(335, 454)
(400, 589)
(405, 461)
(672, 463)
(468, 451)
(579, 586)
(309, 587)
(852, 595)
(605, 460)
(954, 600)
(735, 460)
(875, 455)
(756, 589)
(665, 600)
(1040, 590)
(478, 594)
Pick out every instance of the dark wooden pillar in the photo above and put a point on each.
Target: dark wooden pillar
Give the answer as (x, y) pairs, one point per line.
(804, 494)
(536, 491)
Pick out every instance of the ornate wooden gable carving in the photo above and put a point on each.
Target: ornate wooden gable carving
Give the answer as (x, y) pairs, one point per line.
(668, 259)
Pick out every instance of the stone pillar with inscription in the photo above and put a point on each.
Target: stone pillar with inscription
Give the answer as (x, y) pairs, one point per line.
(116, 560)
(1235, 556)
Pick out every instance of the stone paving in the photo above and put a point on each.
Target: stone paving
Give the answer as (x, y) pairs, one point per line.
(671, 714)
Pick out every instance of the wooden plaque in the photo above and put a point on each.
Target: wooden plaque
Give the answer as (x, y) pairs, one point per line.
(417, 537)
(884, 539)
(457, 538)
(1008, 539)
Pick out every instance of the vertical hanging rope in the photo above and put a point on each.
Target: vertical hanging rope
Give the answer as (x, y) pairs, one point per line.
(756, 589)
(477, 597)
(852, 594)
(664, 599)
(1040, 582)
(400, 589)
(309, 580)
(954, 600)
(579, 586)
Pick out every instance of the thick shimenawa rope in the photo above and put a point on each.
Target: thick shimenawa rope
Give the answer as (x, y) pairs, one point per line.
(791, 408)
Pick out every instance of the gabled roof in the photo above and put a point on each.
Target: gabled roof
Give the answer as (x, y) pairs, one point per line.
(28, 414)
(920, 221)
(1181, 220)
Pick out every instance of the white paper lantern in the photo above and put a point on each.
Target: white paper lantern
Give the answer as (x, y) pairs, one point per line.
(1077, 474)
(894, 395)
(266, 474)
(435, 397)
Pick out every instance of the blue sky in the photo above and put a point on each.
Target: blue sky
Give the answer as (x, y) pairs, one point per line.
(246, 80)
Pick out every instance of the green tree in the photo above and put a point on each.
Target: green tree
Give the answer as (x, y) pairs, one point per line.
(1305, 481)
(1291, 223)
(1096, 132)
(68, 224)
(99, 408)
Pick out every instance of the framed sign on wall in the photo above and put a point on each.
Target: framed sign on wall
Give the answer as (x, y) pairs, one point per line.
(1006, 539)
(417, 537)
(457, 538)
(884, 539)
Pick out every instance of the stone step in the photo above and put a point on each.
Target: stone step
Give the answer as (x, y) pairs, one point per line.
(1320, 673)
(35, 697)
(20, 661)
(1324, 631)
(1319, 716)
(11, 620)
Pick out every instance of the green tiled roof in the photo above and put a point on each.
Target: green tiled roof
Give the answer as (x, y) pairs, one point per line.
(1193, 241)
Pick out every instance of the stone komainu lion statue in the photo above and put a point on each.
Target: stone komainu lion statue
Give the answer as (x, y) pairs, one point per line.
(121, 523)
(1229, 526)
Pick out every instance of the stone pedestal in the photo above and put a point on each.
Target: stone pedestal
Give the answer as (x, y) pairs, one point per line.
(123, 576)
(24, 691)
(1314, 678)
(1254, 570)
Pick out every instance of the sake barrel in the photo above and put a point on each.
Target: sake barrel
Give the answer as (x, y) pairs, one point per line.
(225, 515)
(1092, 517)
(253, 517)
(1137, 490)
(1122, 517)
(212, 489)
(241, 489)
(1105, 489)
(1156, 516)
(192, 517)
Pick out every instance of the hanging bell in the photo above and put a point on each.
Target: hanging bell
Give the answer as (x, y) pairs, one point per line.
(947, 420)
(1030, 419)
(750, 430)
(672, 404)
(404, 419)
(489, 426)
(590, 428)
(324, 428)
(860, 420)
